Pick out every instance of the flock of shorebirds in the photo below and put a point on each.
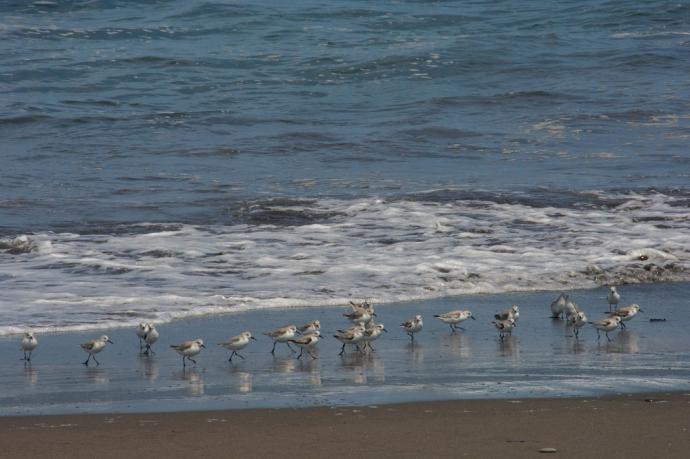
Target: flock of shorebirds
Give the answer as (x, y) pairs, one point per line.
(364, 329)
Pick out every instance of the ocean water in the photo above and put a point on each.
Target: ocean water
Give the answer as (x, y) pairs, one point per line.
(166, 159)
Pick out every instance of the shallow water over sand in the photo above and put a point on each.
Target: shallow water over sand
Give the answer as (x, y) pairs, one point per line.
(538, 360)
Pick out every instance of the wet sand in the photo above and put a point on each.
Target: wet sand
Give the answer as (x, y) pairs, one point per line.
(629, 426)
(541, 359)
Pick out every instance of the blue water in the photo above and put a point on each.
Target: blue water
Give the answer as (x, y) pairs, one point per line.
(216, 120)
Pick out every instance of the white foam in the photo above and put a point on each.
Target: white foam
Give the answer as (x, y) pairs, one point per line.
(381, 250)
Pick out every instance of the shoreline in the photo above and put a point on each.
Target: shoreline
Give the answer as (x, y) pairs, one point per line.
(642, 425)
(540, 359)
(334, 306)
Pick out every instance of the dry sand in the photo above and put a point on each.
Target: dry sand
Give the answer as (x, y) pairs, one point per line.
(644, 426)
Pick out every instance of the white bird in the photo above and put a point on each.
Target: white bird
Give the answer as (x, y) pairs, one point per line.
(309, 328)
(150, 337)
(453, 318)
(371, 333)
(606, 325)
(363, 305)
(237, 343)
(351, 336)
(360, 316)
(141, 332)
(511, 313)
(577, 321)
(627, 313)
(613, 297)
(189, 349)
(282, 335)
(29, 343)
(307, 342)
(504, 326)
(570, 308)
(558, 306)
(413, 326)
(93, 347)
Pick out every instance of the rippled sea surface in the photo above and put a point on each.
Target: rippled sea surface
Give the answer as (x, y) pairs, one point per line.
(162, 159)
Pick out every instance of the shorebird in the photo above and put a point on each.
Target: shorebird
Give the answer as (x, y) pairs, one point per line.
(558, 306)
(150, 337)
(363, 305)
(360, 316)
(282, 335)
(504, 326)
(570, 308)
(511, 313)
(606, 325)
(237, 343)
(627, 313)
(141, 332)
(453, 318)
(93, 347)
(413, 326)
(306, 342)
(188, 349)
(351, 336)
(309, 328)
(371, 333)
(29, 343)
(577, 321)
(613, 297)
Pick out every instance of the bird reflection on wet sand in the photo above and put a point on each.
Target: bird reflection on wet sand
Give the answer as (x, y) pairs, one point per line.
(508, 347)
(457, 345)
(195, 382)
(148, 367)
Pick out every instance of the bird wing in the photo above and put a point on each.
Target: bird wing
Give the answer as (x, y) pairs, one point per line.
(277, 332)
(233, 340)
(184, 346)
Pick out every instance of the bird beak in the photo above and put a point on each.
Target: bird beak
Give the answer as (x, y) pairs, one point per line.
(472, 317)
(203, 346)
(641, 310)
(110, 342)
(384, 330)
(374, 314)
(251, 337)
(145, 336)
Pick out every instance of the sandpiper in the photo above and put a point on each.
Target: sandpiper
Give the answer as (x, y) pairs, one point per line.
(237, 343)
(453, 318)
(93, 347)
(413, 326)
(188, 349)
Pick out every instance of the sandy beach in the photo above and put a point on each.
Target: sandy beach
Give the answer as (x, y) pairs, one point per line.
(629, 426)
